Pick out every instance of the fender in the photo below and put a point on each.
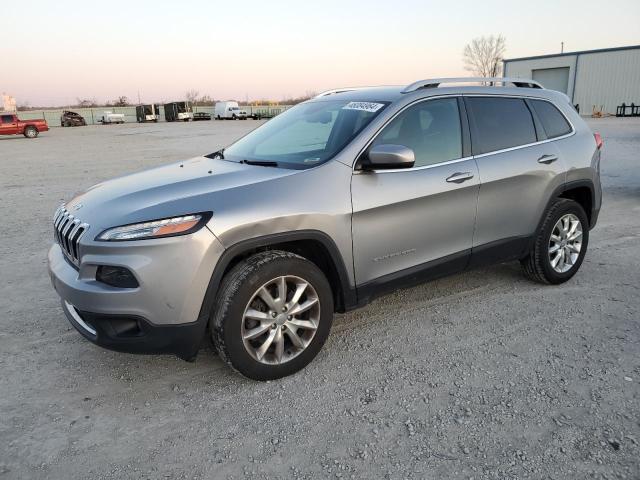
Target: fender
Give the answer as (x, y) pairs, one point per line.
(570, 186)
(347, 292)
(558, 193)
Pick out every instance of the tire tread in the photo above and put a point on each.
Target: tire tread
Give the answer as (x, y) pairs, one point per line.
(227, 292)
(532, 264)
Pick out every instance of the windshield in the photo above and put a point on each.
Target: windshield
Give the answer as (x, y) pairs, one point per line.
(305, 135)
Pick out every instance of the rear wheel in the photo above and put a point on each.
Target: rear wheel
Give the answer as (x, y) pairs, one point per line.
(31, 132)
(273, 313)
(561, 244)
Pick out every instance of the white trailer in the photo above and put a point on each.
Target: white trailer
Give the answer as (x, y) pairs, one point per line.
(110, 117)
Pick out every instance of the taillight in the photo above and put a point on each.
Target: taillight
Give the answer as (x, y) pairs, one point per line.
(599, 142)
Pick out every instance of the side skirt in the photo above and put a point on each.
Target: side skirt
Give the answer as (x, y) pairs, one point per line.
(411, 276)
(489, 254)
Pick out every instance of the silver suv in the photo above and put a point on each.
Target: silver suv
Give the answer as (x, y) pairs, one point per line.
(336, 201)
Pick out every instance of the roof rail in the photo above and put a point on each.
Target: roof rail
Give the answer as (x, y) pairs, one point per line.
(339, 90)
(435, 82)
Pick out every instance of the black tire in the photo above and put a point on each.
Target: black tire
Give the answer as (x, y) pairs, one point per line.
(235, 292)
(537, 264)
(31, 132)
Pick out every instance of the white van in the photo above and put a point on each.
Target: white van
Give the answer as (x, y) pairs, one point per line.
(229, 110)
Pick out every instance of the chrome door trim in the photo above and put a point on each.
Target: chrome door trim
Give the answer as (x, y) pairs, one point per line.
(413, 169)
(511, 149)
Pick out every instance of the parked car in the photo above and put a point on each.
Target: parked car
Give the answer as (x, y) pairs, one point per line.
(201, 116)
(258, 244)
(110, 117)
(229, 111)
(71, 119)
(178, 112)
(10, 124)
(147, 113)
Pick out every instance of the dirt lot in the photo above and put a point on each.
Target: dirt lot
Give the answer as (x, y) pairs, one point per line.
(480, 375)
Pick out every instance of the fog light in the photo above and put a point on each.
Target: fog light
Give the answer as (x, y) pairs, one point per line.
(116, 277)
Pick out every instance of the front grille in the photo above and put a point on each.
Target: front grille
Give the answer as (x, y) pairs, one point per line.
(67, 231)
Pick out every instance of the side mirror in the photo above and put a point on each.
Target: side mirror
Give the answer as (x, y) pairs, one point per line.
(388, 156)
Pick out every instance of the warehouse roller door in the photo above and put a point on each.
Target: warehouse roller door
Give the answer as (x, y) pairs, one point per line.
(553, 78)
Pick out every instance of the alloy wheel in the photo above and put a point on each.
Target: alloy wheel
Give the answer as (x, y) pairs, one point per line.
(280, 320)
(565, 243)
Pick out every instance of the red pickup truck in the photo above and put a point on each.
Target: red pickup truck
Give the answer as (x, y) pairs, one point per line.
(10, 124)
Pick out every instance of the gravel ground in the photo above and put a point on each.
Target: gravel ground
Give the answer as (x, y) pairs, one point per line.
(479, 375)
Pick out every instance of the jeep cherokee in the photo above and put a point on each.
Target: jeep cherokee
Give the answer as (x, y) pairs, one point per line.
(342, 198)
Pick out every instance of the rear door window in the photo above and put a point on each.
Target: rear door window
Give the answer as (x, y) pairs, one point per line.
(499, 123)
(553, 122)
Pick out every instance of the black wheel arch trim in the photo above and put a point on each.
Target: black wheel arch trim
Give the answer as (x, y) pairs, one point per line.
(571, 186)
(346, 290)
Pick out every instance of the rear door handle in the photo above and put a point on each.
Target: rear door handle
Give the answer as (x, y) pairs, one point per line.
(460, 177)
(547, 159)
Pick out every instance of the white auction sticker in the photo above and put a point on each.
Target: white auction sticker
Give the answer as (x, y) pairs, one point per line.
(365, 106)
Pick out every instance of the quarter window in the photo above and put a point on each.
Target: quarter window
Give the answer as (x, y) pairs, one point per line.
(431, 129)
(499, 123)
(553, 122)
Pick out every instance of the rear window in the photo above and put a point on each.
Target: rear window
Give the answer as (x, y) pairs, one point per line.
(553, 122)
(499, 123)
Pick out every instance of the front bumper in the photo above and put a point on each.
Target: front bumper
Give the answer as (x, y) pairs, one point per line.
(130, 334)
(162, 314)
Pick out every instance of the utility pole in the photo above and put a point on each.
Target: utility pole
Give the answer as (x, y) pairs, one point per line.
(561, 47)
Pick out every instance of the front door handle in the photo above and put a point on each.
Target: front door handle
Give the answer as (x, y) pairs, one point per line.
(547, 159)
(460, 177)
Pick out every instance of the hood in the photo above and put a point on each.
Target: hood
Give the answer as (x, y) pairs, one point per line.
(176, 189)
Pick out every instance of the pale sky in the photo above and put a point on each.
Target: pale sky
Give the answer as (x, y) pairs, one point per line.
(52, 52)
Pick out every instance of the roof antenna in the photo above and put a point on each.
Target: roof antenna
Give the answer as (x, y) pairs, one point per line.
(561, 47)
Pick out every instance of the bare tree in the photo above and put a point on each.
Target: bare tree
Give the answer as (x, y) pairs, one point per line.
(483, 56)
(192, 95)
(86, 102)
(205, 100)
(119, 102)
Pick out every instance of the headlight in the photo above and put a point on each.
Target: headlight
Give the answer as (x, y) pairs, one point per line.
(167, 227)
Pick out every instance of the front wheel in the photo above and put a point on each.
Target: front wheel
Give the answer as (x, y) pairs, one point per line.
(560, 245)
(31, 132)
(273, 313)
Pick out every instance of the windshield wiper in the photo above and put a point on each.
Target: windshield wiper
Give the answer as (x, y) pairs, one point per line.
(219, 154)
(260, 163)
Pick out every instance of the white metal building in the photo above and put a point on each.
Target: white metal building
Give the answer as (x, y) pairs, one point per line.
(593, 79)
(8, 103)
